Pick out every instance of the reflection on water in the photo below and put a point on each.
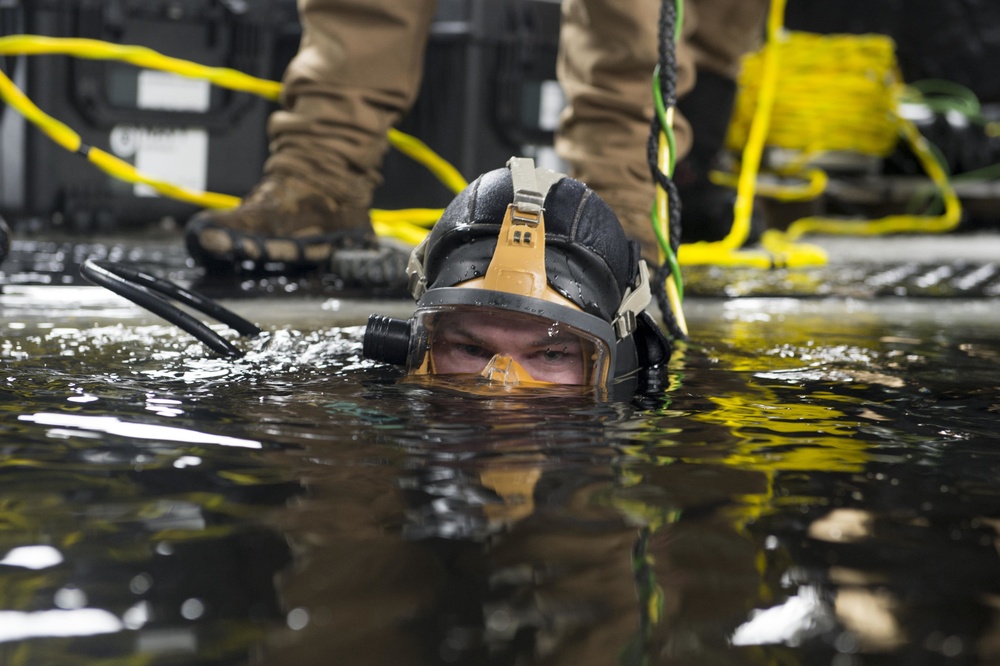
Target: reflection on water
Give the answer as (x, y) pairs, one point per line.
(816, 484)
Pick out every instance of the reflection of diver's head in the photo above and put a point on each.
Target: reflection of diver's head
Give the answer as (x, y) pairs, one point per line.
(526, 280)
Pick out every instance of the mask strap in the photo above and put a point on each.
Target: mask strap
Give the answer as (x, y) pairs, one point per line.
(415, 269)
(531, 184)
(636, 299)
(518, 264)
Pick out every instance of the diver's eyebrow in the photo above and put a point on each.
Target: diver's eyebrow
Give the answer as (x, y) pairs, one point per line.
(560, 339)
(465, 334)
(454, 332)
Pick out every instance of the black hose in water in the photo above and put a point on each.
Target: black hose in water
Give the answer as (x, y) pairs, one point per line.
(150, 292)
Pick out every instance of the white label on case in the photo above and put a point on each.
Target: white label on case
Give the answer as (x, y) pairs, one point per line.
(551, 103)
(170, 92)
(178, 156)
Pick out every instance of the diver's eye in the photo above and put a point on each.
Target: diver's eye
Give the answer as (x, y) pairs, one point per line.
(473, 351)
(555, 356)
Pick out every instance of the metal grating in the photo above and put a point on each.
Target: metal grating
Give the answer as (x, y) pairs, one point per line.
(953, 279)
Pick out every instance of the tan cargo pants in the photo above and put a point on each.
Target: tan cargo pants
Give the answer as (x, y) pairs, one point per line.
(360, 62)
(356, 73)
(607, 57)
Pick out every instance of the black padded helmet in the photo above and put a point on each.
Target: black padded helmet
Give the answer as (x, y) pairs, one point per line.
(588, 258)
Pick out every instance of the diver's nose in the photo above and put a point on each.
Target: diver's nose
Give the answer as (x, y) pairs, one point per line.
(504, 370)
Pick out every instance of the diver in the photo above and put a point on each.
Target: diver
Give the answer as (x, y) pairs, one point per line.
(527, 280)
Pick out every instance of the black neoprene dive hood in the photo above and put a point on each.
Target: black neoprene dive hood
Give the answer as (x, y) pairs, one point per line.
(588, 261)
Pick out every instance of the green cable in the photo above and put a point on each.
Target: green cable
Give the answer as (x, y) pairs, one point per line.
(940, 95)
(668, 131)
(661, 114)
(671, 257)
(679, 24)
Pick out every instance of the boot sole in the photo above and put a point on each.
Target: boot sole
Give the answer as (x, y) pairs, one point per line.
(216, 247)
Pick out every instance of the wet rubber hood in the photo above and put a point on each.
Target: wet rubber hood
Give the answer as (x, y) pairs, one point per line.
(589, 260)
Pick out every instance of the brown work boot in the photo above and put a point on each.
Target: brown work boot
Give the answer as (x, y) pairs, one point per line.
(285, 222)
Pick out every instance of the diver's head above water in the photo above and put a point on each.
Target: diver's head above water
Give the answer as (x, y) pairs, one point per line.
(526, 280)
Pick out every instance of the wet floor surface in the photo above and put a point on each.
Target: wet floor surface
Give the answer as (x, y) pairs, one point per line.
(813, 482)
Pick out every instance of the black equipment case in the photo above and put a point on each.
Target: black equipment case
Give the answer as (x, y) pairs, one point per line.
(488, 93)
(186, 132)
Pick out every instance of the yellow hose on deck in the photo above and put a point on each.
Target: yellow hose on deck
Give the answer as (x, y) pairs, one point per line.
(727, 252)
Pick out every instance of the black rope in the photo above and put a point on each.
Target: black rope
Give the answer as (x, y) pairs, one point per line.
(150, 292)
(667, 82)
(660, 277)
(667, 56)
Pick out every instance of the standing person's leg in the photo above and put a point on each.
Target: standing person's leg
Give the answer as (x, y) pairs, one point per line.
(725, 30)
(608, 51)
(357, 72)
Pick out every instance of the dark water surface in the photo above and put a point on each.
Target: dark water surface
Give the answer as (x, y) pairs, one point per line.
(818, 484)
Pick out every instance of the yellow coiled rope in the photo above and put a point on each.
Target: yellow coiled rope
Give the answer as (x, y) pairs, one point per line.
(819, 93)
(835, 92)
(408, 225)
(842, 93)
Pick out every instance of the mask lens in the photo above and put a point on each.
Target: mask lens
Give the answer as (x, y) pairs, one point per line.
(463, 340)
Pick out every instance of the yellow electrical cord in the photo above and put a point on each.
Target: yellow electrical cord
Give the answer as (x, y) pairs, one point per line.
(860, 71)
(140, 56)
(663, 217)
(407, 225)
(947, 221)
(791, 183)
(727, 252)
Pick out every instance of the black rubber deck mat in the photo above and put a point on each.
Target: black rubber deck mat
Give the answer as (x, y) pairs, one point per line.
(57, 262)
